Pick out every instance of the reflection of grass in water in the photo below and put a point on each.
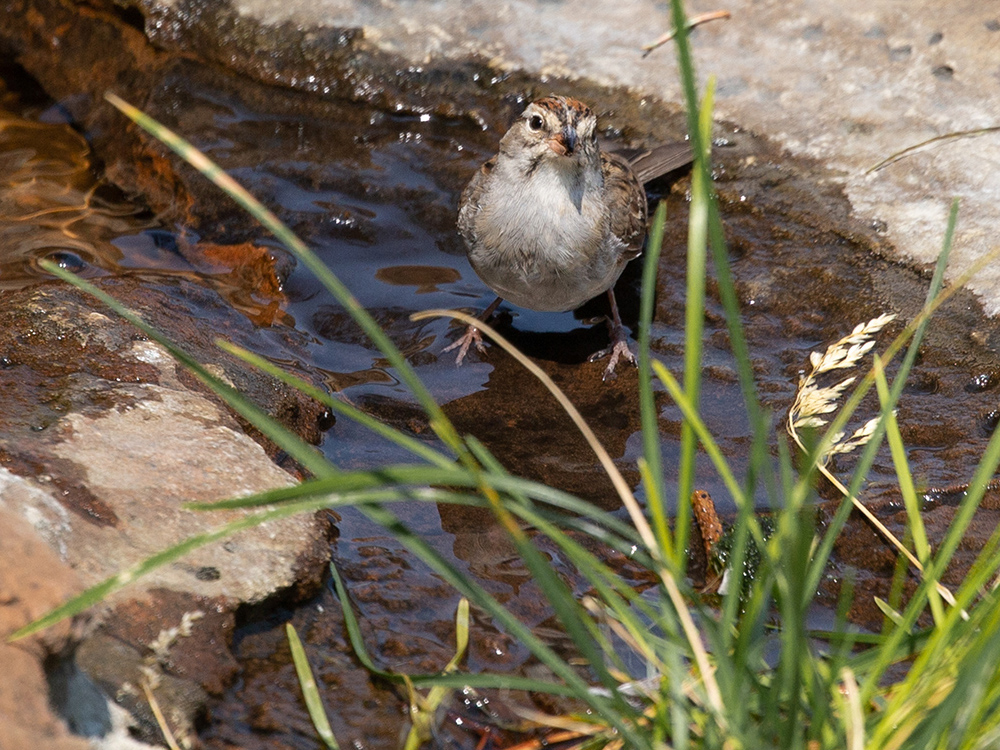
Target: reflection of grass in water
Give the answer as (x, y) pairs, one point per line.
(705, 682)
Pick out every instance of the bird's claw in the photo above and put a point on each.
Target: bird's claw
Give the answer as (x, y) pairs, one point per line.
(619, 349)
(469, 338)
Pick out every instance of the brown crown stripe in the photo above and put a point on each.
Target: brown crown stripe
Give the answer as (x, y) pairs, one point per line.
(560, 105)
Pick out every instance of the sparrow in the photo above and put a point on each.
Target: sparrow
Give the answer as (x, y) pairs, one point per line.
(551, 221)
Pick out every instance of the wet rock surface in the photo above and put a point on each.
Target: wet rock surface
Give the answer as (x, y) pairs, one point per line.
(109, 437)
(369, 172)
(110, 441)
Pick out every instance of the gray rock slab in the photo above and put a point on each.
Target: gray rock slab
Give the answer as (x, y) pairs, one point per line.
(165, 446)
(101, 488)
(126, 440)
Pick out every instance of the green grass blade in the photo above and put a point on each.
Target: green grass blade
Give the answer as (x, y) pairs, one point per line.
(907, 486)
(652, 454)
(390, 476)
(310, 693)
(694, 322)
(419, 475)
(491, 681)
(353, 628)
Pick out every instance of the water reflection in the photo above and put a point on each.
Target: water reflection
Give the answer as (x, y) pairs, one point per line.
(426, 279)
(53, 206)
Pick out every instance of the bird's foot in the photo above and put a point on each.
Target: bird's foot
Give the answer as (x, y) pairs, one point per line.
(469, 338)
(619, 349)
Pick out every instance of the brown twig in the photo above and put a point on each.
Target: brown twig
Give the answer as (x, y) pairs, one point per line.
(692, 23)
(929, 142)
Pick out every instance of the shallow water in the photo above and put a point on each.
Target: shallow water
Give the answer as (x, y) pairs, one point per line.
(374, 192)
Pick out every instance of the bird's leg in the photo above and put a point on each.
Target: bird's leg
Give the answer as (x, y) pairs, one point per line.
(472, 335)
(619, 341)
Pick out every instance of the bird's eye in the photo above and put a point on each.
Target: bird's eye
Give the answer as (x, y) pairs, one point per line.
(535, 122)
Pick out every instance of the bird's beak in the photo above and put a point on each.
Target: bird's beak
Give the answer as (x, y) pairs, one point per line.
(564, 144)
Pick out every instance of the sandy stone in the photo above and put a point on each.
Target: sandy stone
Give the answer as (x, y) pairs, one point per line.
(101, 488)
(32, 580)
(112, 474)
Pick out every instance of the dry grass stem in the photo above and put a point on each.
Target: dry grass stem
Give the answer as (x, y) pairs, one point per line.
(930, 142)
(161, 720)
(693, 21)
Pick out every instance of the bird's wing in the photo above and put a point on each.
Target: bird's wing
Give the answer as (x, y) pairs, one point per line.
(627, 199)
(659, 160)
(469, 202)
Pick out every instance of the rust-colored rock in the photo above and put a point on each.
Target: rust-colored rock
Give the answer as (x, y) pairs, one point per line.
(32, 580)
(250, 272)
